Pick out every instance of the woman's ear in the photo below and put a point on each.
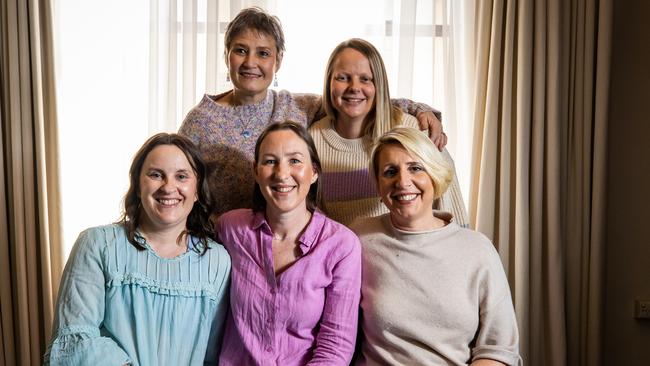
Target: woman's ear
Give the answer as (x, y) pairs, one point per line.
(314, 177)
(279, 61)
(225, 60)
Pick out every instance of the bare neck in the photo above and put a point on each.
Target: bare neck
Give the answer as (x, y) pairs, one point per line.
(349, 129)
(418, 224)
(235, 98)
(164, 241)
(288, 224)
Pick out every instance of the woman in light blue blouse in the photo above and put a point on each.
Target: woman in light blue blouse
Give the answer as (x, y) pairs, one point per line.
(150, 289)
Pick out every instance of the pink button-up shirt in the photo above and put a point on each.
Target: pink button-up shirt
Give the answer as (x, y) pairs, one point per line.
(306, 315)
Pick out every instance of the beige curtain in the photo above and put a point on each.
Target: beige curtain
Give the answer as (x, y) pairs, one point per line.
(29, 209)
(539, 165)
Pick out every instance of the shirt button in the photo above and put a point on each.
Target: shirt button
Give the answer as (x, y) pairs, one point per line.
(269, 349)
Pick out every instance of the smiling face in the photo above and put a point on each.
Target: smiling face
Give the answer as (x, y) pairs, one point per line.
(405, 188)
(352, 86)
(284, 172)
(253, 60)
(168, 189)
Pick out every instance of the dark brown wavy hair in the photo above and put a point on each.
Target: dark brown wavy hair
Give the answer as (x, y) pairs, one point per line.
(314, 197)
(198, 222)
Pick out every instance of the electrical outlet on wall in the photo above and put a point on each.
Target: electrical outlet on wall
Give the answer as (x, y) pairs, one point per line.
(642, 309)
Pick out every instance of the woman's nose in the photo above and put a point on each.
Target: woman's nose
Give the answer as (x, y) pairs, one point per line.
(168, 186)
(249, 59)
(403, 180)
(354, 85)
(281, 171)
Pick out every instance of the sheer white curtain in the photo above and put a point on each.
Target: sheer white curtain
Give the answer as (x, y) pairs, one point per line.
(186, 55)
(435, 64)
(101, 62)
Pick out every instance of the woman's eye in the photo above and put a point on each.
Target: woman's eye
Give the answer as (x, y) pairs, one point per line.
(155, 175)
(239, 51)
(366, 80)
(264, 53)
(416, 168)
(388, 173)
(294, 161)
(340, 78)
(268, 162)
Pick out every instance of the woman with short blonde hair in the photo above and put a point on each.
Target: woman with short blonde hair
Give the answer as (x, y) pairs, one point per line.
(432, 293)
(433, 161)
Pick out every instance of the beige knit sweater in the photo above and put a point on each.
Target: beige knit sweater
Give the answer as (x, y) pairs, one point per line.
(436, 297)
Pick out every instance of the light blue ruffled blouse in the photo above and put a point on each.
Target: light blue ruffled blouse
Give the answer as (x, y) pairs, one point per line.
(118, 305)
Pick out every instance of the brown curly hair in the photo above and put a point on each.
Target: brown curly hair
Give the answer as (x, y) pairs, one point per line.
(198, 221)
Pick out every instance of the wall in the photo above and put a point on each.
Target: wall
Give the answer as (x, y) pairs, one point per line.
(626, 341)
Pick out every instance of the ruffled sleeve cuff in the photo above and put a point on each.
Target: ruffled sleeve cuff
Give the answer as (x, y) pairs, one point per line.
(84, 346)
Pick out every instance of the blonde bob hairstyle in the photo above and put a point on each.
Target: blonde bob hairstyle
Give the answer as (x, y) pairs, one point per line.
(383, 115)
(419, 146)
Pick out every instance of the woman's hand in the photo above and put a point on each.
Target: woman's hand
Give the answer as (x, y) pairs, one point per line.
(428, 122)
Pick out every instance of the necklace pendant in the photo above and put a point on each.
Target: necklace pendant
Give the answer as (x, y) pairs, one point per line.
(246, 133)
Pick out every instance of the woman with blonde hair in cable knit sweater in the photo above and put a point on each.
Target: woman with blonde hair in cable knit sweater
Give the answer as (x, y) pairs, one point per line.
(357, 103)
(432, 293)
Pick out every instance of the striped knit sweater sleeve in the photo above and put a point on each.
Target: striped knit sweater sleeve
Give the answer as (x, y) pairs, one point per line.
(452, 200)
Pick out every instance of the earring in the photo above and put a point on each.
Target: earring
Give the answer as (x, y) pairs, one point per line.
(227, 75)
(275, 81)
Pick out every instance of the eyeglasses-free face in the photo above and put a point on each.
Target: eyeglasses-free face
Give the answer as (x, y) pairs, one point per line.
(284, 172)
(168, 189)
(253, 61)
(405, 188)
(352, 86)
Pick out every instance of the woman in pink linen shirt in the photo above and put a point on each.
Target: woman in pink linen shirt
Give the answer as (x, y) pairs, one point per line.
(296, 274)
